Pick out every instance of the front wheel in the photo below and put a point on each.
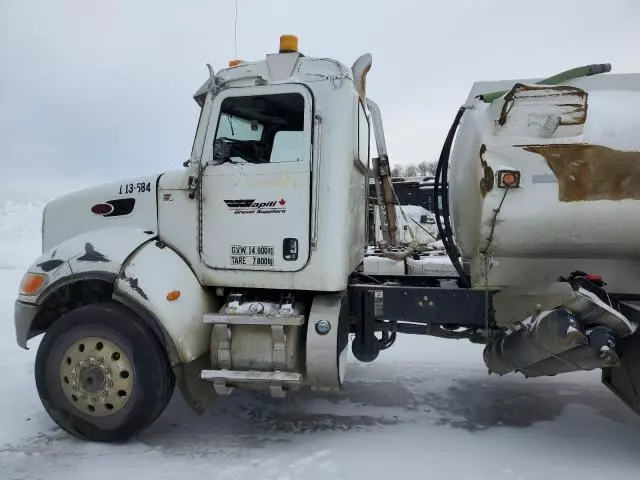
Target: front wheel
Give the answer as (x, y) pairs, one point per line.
(102, 374)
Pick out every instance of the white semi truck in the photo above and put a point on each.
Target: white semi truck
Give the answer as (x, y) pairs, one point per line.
(244, 268)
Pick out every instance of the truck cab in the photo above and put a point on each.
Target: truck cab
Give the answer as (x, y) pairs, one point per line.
(277, 140)
(220, 265)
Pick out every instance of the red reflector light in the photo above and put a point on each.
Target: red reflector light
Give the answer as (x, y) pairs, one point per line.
(102, 209)
(508, 178)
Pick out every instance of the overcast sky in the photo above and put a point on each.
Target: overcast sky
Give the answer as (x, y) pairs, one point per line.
(96, 90)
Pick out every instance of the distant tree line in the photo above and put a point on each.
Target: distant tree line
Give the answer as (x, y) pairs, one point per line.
(422, 169)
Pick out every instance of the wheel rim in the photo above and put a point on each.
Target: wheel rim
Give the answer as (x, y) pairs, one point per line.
(96, 376)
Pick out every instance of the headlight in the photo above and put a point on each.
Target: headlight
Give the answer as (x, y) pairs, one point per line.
(33, 283)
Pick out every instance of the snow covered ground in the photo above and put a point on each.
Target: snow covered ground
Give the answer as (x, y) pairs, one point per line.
(425, 409)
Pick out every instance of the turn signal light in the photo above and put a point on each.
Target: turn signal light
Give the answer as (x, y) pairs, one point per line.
(234, 63)
(173, 295)
(32, 283)
(508, 179)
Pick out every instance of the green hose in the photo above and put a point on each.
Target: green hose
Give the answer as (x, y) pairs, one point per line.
(556, 79)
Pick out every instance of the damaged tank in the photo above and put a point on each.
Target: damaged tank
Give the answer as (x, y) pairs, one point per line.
(542, 187)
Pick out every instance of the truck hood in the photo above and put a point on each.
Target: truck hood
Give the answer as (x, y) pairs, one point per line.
(128, 203)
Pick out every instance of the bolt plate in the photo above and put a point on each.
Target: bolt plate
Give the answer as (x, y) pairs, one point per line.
(96, 376)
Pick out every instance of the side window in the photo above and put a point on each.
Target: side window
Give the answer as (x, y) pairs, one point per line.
(260, 129)
(363, 136)
(287, 147)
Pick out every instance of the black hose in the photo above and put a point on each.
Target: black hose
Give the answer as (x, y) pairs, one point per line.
(388, 339)
(441, 190)
(437, 194)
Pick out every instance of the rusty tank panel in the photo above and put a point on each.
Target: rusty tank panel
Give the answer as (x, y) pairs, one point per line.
(592, 172)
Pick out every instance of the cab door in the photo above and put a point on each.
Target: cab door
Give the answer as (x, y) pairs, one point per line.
(256, 187)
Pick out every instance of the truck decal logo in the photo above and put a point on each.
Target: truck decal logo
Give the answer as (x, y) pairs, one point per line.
(239, 203)
(251, 206)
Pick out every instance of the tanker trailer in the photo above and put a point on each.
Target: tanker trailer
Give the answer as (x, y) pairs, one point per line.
(540, 211)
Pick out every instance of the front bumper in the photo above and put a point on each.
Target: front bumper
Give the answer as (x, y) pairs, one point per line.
(24, 315)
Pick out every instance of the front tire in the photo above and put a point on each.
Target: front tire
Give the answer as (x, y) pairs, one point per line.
(102, 374)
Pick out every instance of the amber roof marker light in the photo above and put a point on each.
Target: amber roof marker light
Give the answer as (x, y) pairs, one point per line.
(288, 44)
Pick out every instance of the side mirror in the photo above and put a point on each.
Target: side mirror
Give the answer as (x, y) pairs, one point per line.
(221, 149)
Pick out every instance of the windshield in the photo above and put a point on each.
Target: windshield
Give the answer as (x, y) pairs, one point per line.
(238, 129)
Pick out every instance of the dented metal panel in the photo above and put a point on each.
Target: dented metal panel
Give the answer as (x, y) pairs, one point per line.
(98, 253)
(577, 151)
(570, 102)
(148, 276)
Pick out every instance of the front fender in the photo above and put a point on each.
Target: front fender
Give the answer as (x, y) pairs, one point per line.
(96, 254)
(157, 279)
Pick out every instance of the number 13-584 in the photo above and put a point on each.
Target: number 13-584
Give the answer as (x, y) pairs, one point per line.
(140, 187)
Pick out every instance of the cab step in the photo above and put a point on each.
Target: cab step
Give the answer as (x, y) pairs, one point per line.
(221, 318)
(240, 311)
(224, 380)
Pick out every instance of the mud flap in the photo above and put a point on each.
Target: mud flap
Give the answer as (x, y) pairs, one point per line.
(197, 393)
(624, 380)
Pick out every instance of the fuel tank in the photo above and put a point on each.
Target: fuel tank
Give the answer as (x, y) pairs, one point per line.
(546, 179)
